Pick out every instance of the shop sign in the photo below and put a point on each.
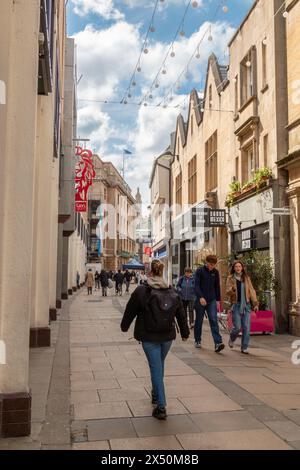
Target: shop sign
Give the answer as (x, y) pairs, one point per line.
(84, 174)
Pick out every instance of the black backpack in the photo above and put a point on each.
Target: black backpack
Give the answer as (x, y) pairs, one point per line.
(161, 307)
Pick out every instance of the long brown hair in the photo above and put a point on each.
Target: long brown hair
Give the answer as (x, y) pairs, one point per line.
(157, 268)
(244, 272)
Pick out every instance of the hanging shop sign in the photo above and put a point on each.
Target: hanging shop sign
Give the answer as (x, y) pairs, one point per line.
(206, 217)
(84, 174)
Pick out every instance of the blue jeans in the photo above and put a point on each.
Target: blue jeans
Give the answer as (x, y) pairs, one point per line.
(211, 309)
(241, 321)
(156, 354)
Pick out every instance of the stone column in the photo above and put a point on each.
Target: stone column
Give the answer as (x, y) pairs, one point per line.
(19, 26)
(39, 327)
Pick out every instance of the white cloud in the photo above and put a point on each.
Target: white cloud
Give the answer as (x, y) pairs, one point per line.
(104, 8)
(106, 58)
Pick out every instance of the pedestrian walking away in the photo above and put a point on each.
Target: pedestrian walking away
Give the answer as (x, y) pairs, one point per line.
(89, 281)
(186, 290)
(155, 305)
(127, 277)
(78, 280)
(241, 295)
(97, 280)
(119, 280)
(208, 293)
(103, 279)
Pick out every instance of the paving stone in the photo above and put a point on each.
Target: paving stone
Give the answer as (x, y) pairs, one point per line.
(265, 413)
(100, 384)
(281, 402)
(209, 404)
(84, 396)
(233, 440)
(96, 445)
(146, 427)
(83, 411)
(146, 443)
(56, 447)
(293, 415)
(58, 404)
(105, 429)
(295, 445)
(287, 430)
(226, 421)
(122, 394)
(237, 393)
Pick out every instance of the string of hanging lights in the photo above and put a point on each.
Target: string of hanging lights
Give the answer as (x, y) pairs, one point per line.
(170, 52)
(145, 50)
(196, 52)
(168, 98)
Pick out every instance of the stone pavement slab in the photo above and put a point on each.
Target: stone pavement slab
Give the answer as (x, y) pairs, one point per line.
(226, 421)
(232, 440)
(146, 443)
(146, 427)
(105, 429)
(101, 410)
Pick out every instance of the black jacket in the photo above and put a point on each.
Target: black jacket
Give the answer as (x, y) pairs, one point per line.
(136, 308)
(207, 284)
(103, 279)
(119, 278)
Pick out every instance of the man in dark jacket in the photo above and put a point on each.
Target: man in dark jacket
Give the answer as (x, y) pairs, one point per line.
(156, 344)
(103, 278)
(127, 277)
(119, 280)
(208, 293)
(186, 289)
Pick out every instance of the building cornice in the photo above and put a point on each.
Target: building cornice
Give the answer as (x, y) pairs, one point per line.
(290, 159)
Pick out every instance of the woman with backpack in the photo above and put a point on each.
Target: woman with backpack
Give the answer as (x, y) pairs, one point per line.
(156, 306)
(241, 294)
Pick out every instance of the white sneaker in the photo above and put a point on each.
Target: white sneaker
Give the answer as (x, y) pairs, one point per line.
(244, 351)
(230, 343)
(197, 345)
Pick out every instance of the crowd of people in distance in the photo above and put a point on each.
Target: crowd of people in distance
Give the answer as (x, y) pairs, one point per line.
(106, 280)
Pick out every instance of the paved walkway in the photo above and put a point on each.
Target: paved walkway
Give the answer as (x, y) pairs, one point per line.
(91, 389)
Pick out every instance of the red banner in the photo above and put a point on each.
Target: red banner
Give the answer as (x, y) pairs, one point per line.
(84, 174)
(148, 250)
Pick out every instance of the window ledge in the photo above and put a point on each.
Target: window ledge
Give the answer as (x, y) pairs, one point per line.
(264, 89)
(244, 106)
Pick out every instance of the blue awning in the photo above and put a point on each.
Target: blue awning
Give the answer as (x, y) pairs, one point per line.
(134, 264)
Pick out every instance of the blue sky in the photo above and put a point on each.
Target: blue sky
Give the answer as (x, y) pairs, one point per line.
(109, 35)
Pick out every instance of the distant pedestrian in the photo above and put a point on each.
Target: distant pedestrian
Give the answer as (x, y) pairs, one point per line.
(119, 280)
(208, 293)
(103, 279)
(89, 281)
(97, 280)
(186, 289)
(127, 278)
(110, 274)
(143, 277)
(78, 280)
(241, 294)
(155, 306)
